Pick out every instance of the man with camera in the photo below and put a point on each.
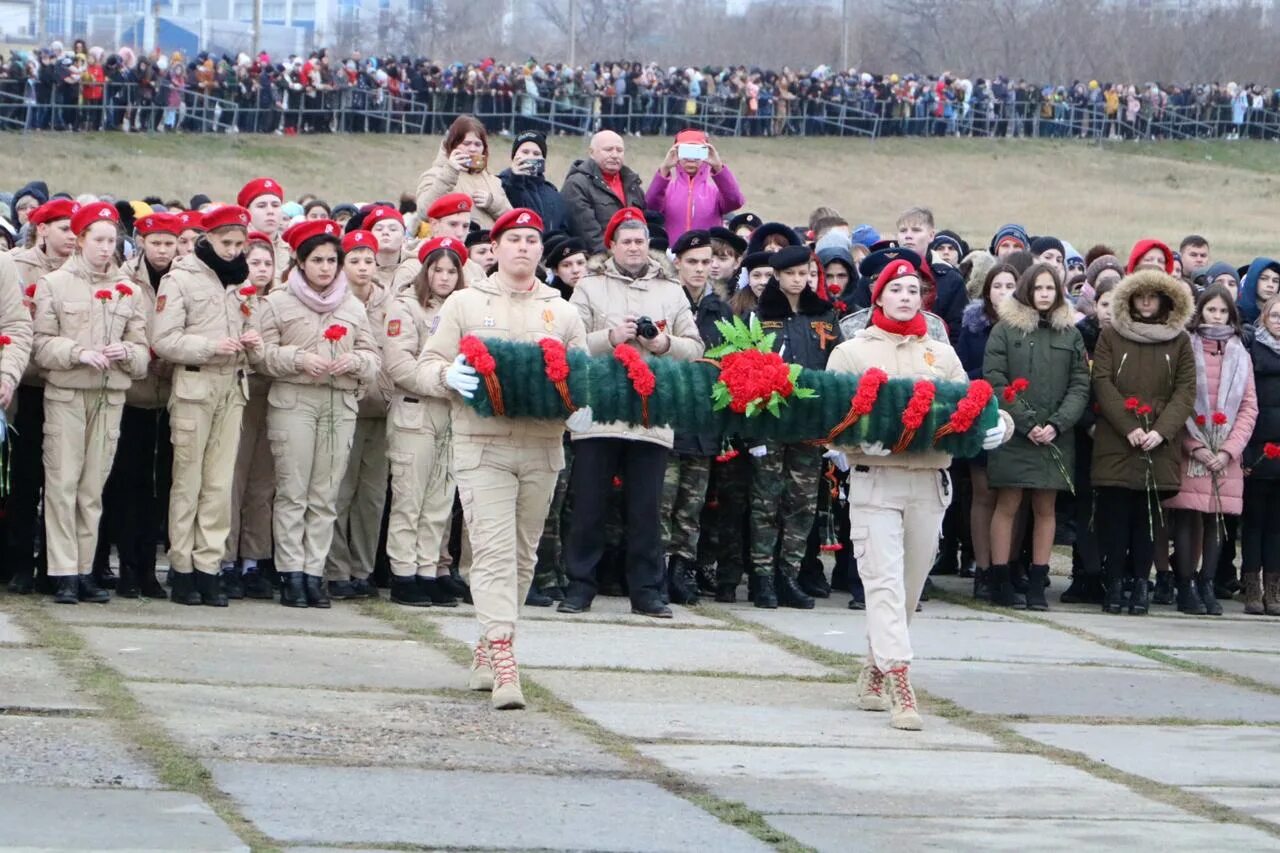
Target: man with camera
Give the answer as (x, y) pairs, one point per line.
(628, 300)
(526, 184)
(693, 188)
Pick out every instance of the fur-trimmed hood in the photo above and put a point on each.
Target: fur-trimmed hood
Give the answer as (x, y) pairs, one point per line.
(975, 317)
(602, 264)
(1025, 319)
(980, 263)
(1178, 293)
(774, 305)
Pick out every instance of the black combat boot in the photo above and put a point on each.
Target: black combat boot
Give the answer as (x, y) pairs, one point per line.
(90, 591)
(1139, 599)
(68, 590)
(765, 596)
(233, 584)
(293, 592)
(313, 589)
(409, 592)
(1001, 585)
(682, 581)
(209, 588)
(257, 586)
(438, 591)
(1207, 592)
(1037, 576)
(1165, 591)
(813, 580)
(183, 589)
(789, 592)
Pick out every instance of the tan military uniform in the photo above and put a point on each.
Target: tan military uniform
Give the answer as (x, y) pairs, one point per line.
(419, 446)
(253, 487)
(153, 391)
(311, 419)
(402, 280)
(194, 312)
(362, 495)
(33, 265)
(505, 468)
(82, 406)
(15, 322)
(386, 273)
(284, 257)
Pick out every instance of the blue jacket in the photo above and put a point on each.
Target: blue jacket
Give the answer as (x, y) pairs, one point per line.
(971, 343)
(1248, 301)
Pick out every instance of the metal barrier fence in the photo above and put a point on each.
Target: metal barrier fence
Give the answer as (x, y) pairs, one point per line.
(161, 109)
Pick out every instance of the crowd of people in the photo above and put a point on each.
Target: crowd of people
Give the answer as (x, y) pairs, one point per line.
(277, 390)
(89, 88)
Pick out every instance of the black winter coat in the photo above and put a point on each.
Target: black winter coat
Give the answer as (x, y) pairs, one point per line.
(539, 195)
(950, 296)
(708, 310)
(590, 202)
(808, 335)
(1266, 377)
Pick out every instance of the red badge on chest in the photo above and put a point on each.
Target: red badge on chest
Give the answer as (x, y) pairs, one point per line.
(393, 329)
(160, 300)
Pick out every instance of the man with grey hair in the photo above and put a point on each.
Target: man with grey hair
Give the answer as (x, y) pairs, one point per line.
(629, 299)
(598, 187)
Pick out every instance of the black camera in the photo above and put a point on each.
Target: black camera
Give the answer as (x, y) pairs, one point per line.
(646, 329)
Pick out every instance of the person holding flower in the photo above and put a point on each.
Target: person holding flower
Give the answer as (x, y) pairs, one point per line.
(91, 342)
(1216, 437)
(1035, 344)
(319, 350)
(199, 327)
(1144, 379)
(897, 500)
(1260, 535)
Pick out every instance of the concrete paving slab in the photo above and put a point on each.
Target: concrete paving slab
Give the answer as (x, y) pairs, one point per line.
(246, 615)
(65, 751)
(309, 804)
(123, 820)
(1260, 667)
(31, 680)
(1261, 803)
(903, 783)
(558, 644)
(279, 723)
(696, 708)
(1177, 631)
(1175, 755)
(10, 632)
(948, 639)
(980, 835)
(273, 660)
(1041, 690)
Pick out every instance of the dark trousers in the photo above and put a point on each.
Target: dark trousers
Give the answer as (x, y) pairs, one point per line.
(1126, 518)
(26, 479)
(641, 466)
(135, 499)
(1259, 533)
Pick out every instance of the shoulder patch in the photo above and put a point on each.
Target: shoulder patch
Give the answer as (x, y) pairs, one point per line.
(160, 300)
(393, 329)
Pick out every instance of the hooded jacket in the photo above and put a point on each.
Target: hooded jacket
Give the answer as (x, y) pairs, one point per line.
(948, 299)
(1250, 310)
(1153, 363)
(590, 202)
(1266, 377)
(442, 179)
(539, 195)
(971, 344)
(693, 203)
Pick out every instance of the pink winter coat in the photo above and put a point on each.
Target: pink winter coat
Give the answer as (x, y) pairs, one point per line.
(1197, 492)
(691, 204)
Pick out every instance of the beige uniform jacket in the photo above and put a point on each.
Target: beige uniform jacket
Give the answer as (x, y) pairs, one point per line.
(374, 403)
(290, 329)
(153, 391)
(386, 274)
(32, 265)
(605, 298)
(15, 322)
(402, 281)
(491, 309)
(69, 319)
(442, 179)
(407, 329)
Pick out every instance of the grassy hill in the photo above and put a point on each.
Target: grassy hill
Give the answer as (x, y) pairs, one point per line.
(1079, 191)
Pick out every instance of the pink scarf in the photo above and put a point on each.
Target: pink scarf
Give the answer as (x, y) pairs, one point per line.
(322, 302)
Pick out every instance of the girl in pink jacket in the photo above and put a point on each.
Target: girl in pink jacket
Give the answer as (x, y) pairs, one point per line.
(1216, 436)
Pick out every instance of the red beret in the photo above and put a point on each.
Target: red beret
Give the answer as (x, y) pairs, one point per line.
(91, 213)
(891, 271)
(521, 217)
(447, 243)
(360, 240)
(259, 187)
(52, 211)
(1142, 247)
(259, 237)
(447, 205)
(627, 214)
(190, 220)
(304, 231)
(158, 223)
(225, 216)
(380, 212)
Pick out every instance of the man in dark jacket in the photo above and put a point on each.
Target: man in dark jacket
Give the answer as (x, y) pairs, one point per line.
(525, 181)
(684, 487)
(597, 188)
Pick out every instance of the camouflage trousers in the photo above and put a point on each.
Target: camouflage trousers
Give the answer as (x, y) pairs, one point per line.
(684, 492)
(728, 535)
(784, 499)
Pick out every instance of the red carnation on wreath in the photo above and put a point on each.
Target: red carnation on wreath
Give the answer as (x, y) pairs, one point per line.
(641, 375)
(862, 402)
(916, 411)
(968, 410)
(555, 359)
(478, 356)
(752, 376)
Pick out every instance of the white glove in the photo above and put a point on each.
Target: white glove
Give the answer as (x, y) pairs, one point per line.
(839, 458)
(874, 449)
(461, 377)
(993, 438)
(759, 451)
(580, 421)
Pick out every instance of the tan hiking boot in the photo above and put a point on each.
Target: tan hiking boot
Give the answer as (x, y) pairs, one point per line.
(1252, 583)
(902, 701)
(1271, 593)
(871, 696)
(506, 677)
(481, 672)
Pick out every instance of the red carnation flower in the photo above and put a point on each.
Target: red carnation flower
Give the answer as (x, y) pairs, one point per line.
(5, 340)
(1271, 450)
(31, 291)
(335, 333)
(1200, 420)
(124, 289)
(1144, 410)
(1132, 404)
(104, 295)
(1219, 419)
(248, 290)
(556, 359)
